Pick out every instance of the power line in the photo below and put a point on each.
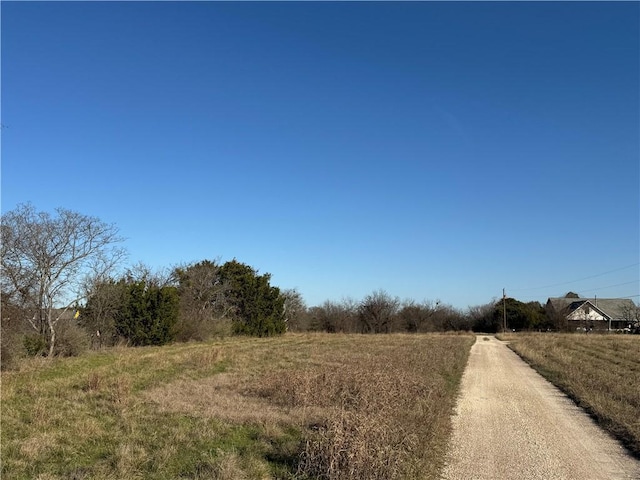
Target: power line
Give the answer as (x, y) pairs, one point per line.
(578, 280)
(611, 286)
(584, 293)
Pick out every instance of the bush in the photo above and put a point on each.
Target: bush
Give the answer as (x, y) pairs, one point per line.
(148, 314)
(11, 349)
(34, 345)
(71, 340)
(200, 330)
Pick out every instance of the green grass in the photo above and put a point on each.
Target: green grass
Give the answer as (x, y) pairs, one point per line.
(297, 406)
(601, 373)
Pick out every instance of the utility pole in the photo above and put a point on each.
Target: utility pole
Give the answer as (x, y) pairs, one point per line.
(504, 311)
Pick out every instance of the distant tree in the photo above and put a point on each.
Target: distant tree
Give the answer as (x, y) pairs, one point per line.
(483, 318)
(572, 295)
(148, 313)
(418, 317)
(314, 322)
(256, 307)
(141, 272)
(47, 259)
(295, 310)
(555, 319)
(377, 312)
(107, 302)
(104, 302)
(538, 319)
(630, 313)
(203, 300)
(335, 317)
(447, 318)
(520, 316)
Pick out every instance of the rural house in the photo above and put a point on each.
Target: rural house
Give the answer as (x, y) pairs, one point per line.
(594, 314)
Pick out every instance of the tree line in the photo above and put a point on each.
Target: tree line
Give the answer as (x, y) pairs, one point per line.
(380, 312)
(61, 292)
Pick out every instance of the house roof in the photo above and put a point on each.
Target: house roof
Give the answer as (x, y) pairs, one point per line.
(615, 308)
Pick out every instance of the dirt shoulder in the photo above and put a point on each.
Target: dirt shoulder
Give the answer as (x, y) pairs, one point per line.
(511, 423)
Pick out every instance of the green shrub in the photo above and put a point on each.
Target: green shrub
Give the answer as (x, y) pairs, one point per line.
(35, 345)
(148, 314)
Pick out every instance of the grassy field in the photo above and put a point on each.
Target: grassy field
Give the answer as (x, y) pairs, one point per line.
(297, 406)
(600, 372)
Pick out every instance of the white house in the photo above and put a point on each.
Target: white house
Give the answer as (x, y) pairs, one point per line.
(595, 314)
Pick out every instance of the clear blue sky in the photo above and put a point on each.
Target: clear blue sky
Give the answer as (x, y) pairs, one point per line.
(433, 150)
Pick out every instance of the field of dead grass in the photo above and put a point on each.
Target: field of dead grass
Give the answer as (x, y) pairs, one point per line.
(601, 373)
(298, 406)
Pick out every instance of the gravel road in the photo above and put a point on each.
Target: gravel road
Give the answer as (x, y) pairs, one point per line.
(511, 423)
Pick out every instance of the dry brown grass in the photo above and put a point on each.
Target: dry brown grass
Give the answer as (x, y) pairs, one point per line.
(298, 406)
(600, 372)
(372, 406)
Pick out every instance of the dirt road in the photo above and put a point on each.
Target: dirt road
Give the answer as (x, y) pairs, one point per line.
(510, 423)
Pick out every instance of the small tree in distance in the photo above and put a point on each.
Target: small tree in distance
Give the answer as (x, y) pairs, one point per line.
(295, 310)
(377, 312)
(335, 317)
(418, 317)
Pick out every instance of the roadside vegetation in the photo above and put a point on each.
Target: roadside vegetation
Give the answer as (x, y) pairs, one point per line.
(295, 406)
(601, 373)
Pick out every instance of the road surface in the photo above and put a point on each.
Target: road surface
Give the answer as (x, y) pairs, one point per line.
(511, 423)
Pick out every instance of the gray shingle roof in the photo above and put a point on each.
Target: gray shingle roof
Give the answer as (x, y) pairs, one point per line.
(616, 308)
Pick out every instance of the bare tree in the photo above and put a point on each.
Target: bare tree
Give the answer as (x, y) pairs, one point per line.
(203, 300)
(335, 317)
(447, 318)
(141, 272)
(482, 317)
(46, 261)
(630, 313)
(104, 300)
(418, 317)
(377, 312)
(294, 309)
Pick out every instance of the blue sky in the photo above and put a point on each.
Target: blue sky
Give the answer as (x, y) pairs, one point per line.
(433, 150)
